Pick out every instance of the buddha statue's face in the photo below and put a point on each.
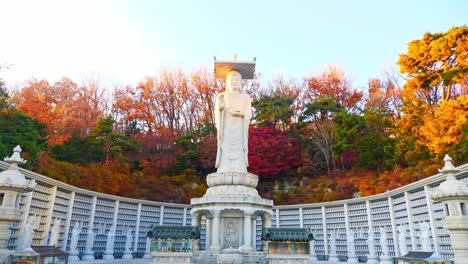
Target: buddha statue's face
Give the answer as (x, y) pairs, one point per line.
(233, 81)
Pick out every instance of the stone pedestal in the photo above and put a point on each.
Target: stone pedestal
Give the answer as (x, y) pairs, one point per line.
(5, 234)
(386, 260)
(372, 260)
(333, 259)
(73, 257)
(108, 255)
(232, 204)
(459, 242)
(127, 255)
(88, 255)
(312, 260)
(352, 259)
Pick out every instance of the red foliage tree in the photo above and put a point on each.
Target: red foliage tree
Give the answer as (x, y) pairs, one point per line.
(272, 152)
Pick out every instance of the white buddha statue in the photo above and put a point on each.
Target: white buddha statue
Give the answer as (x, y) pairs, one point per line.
(55, 233)
(27, 235)
(74, 237)
(233, 113)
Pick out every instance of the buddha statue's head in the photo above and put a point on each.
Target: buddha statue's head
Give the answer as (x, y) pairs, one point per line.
(233, 81)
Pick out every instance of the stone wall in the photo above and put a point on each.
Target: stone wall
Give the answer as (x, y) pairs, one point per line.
(408, 205)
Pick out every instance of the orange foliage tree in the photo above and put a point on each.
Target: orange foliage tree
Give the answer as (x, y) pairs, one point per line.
(64, 107)
(333, 82)
(173, 101)
(437, 68)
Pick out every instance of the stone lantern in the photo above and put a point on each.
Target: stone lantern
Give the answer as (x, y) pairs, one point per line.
(454, 196)
(12, 185)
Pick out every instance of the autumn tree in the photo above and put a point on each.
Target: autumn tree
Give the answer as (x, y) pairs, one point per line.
(384, 94)
(91, 103)
(63, 106)
(172, 101)
(291, 88)
(272, 152)
(318, 127)
(377, 143)
(333, 82)
(436, 67)
(460, 149)
(156, 152)
(205, 90)
(445, 126)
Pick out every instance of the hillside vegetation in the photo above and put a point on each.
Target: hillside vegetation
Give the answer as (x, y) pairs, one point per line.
(316, 138)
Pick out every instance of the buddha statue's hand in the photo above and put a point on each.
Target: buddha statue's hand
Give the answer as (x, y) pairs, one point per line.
(237, 113)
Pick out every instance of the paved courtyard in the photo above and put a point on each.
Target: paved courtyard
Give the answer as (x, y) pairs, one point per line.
(137, 261)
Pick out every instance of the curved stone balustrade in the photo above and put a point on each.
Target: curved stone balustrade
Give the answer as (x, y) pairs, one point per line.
(407, 206)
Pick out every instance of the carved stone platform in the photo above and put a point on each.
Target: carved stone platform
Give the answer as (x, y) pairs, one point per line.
(232, 178)
(231, 206)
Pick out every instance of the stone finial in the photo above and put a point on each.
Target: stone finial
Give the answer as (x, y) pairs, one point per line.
(12, 176)
(16, 157)
(448, 167)
(234, 56)
(451, 186)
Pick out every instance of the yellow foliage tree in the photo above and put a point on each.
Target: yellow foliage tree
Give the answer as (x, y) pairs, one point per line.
(436, 67)
(443, 127)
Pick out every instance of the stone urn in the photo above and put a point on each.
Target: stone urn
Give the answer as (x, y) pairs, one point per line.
(229, 256)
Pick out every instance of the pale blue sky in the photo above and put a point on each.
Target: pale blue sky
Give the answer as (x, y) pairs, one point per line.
(123, 41)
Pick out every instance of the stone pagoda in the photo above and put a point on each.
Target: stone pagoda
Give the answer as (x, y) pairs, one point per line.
(12, 185)
(232, 205)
